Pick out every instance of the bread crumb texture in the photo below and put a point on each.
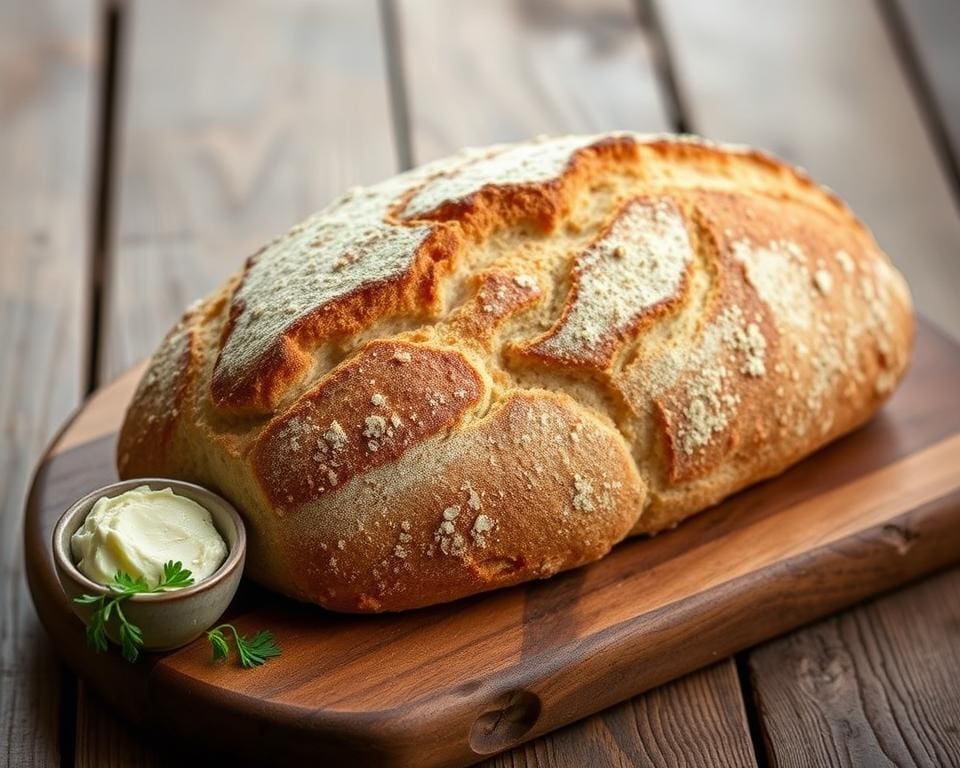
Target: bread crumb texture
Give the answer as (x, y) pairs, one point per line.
(498, 365)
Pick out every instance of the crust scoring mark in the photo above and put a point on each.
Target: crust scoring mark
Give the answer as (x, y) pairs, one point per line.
(499, 295)
(637, 267)
(695, 391)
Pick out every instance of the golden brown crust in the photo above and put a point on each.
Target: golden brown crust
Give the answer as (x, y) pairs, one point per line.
(529, 490)
(497, 366)
(495, 205)
(258, 387)
(346, 425)
(797, 318)
(145, 438)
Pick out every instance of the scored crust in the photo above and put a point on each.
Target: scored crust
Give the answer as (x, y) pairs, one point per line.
(496, 366)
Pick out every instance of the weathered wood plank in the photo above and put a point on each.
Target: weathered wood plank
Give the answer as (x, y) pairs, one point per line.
(103, 741)
(874, 686)
(696, 721)
(267, 111)
(477, 73)
(818, 83)
(47, 87)
(933, 29)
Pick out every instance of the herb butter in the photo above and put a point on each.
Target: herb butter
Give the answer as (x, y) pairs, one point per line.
(140, 530)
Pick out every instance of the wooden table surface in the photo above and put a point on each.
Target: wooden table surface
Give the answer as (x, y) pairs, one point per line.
(147, 146)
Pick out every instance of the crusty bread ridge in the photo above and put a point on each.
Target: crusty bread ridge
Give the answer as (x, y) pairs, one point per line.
(497, 366)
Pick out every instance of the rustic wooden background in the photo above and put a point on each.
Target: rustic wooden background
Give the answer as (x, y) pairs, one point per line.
(147, 146)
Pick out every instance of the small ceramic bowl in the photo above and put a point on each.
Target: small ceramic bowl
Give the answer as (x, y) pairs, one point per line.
(167, 619)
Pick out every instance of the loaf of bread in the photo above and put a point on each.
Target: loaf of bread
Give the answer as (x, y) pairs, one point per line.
(497, 366)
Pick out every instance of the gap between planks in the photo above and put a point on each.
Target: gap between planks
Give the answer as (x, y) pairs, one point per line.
(906, 46)
(649, 19)
(112, 14)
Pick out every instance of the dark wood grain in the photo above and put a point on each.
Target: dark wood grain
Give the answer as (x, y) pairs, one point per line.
(877, 685)
(695, 721)
(47, 69)
(818, 83)
(448, 684)
(105, 742)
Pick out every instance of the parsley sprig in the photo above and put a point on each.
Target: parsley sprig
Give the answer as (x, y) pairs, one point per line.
(122, 588)
(252, 651)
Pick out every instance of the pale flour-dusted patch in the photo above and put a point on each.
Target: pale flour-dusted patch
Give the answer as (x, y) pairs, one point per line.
(709, 409)
(582, 494)
(450, 540)
(640, 263)
(481, 527)
(779, 274)
(527, 282)
(823, 280)
(528, 163)
(336, 252)
(845, 260)
(473, 498)
(374, 427)
(335, 436)
(698, 374)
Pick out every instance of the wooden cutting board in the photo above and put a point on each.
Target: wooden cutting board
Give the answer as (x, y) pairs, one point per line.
(451, 684)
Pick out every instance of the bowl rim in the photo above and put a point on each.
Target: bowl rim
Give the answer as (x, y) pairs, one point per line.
(235, 554)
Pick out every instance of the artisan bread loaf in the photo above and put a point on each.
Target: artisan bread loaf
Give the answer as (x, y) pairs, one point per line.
(497, 366)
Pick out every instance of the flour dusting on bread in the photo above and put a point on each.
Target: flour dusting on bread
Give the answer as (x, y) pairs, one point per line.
(333, 254)
(778, 271)
(636, 266)
(533, 163)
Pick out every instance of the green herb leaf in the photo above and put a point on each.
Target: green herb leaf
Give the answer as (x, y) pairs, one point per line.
(220, 648)
(96, 629)
(174, 576)
(252, 652)
(124, 582)
(131, 639)
(124, 586)
(88, 599)
(258, 649)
